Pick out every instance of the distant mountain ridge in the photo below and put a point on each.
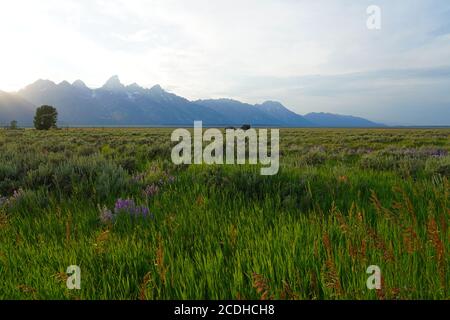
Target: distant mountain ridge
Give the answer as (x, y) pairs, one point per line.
(117, 104)
(233, 112)
(332, 120)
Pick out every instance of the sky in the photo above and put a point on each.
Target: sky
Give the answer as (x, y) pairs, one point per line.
(312, 56)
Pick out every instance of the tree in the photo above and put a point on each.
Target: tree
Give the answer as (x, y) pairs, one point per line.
(45, 118)
(13, 125)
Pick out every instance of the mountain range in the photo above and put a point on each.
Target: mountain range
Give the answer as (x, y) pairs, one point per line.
(133, 105)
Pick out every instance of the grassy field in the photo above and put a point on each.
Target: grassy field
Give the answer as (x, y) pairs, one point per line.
(343, 200)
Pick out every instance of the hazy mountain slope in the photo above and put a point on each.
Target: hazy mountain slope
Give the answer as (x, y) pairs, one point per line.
(269, 113)
(280, 112)
(336, 120)
(74, 103)
(14, 107)
(237, 113)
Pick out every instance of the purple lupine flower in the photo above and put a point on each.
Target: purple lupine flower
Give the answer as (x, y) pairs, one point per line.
(437, 153)
(128, 206)
(124, 205)
(423, 152)
(151, 190)
(145, 213)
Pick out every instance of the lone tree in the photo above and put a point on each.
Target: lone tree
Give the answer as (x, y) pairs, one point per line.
(13, 125)
(45, 118)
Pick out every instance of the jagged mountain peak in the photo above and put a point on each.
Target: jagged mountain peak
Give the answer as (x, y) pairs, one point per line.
(40, 85)
(224, 101)
(157, 89)
(43, 81)
(272, 102)
(79, 84)
(134, 88)
(64, 84)
(273, 105)
(113, 83)
(134, 85)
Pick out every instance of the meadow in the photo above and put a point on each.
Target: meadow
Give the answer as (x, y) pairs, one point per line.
(112, 202)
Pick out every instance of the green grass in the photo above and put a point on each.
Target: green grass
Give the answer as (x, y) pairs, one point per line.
(343, 200)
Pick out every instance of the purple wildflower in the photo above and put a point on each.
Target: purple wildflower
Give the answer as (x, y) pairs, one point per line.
(418, 153)
(145, 212)
(124, 205)
(128, 206)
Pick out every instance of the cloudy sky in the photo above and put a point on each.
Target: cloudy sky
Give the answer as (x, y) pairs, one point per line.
(310, 55)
